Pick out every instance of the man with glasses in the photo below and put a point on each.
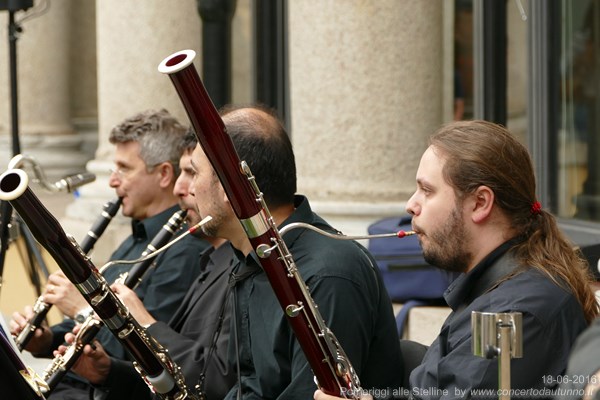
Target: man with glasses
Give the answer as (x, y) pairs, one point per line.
(147, 152)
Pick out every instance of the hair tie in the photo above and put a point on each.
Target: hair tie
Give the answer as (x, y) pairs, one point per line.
(536, 208)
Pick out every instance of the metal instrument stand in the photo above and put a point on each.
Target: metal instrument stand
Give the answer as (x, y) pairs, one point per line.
(498, 335)
(11, 226)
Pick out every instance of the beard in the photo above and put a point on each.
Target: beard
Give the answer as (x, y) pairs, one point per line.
(212, 227)
(193, 219)
(446, 247)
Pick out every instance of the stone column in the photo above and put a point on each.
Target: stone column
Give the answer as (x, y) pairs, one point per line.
(366, 88)
(43, 91)
(83, 74)
(132, 39)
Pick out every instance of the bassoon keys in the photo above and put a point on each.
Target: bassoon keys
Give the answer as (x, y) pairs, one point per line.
(330, 365)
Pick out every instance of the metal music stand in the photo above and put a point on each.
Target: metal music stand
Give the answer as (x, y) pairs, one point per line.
(498, 335)
(11, 226)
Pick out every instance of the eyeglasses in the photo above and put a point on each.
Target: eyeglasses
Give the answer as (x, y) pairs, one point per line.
(124, 172)
(120, 172)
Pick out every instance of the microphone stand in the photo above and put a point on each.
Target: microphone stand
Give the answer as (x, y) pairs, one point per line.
(6, 211)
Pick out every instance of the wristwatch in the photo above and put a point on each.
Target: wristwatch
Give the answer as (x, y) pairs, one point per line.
(83, 314)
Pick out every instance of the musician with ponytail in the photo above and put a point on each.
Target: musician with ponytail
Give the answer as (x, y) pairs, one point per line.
(475, 211)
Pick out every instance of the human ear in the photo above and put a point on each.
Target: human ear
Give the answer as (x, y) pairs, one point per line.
(166, 174)
(483, 202)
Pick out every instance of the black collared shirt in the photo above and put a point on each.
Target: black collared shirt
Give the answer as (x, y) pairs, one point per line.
(552, 319)
(351, 297)
(189, 337)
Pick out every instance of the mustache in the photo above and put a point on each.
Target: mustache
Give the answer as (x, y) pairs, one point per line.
(416, 228)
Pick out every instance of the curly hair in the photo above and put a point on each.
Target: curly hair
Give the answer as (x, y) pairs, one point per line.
(159, 134)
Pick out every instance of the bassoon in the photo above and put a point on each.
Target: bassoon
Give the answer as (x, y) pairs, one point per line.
(62, 363)
(152, 361)
(332, 368)
(41, 308)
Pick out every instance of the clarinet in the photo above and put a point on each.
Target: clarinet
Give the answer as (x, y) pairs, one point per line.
(109, 210)
(134, 276)
(152, 361)
(61, 364)
(41, 308)
(332, 369)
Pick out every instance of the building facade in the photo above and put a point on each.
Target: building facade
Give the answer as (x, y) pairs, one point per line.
(360, 84)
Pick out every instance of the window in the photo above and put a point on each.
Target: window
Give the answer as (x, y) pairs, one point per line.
(578, 131)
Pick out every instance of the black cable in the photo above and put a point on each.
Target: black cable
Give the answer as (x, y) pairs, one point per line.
(213, 345)
(236, 341)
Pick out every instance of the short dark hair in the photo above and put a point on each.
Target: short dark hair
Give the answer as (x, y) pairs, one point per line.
(261, 140)
(189, 142)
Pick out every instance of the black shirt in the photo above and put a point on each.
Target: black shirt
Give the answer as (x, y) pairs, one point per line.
(345, 284)
(552, 319)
